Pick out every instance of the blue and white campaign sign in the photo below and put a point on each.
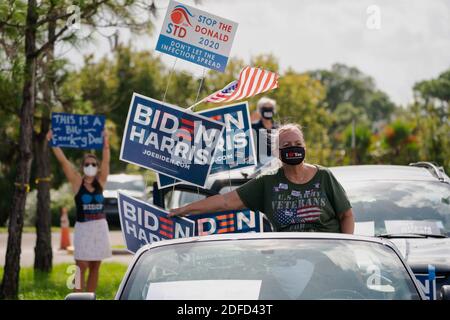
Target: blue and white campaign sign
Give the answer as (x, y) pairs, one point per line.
(196, 36)
(231, 222)
(428, 283)
(143, 223)
(77, 131)
(170, 140)
(236, 148)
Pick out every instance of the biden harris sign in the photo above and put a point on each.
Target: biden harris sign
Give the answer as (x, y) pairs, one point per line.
(236, 149)
(143, 223)
(170, 140)
(196, 36)
(240, 221)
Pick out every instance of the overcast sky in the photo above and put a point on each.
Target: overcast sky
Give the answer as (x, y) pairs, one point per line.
(412, 43)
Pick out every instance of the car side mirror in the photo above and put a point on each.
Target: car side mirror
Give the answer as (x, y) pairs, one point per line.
(81, 296)
(445, 292)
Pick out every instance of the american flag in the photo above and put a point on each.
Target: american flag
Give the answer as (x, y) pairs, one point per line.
(252, 81)
(307, 214)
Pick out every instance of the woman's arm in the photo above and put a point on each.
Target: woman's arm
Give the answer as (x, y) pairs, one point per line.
(347, 222)
(71, 174)
(104, 168)
(217, 203)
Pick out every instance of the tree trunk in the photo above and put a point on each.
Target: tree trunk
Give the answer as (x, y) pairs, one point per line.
(43, 254)
(10, 283)
(43, 250)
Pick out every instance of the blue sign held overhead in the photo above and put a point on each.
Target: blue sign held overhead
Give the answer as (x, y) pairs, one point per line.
(77, 131)
(236, 148)
(143, 223)
(170, 140)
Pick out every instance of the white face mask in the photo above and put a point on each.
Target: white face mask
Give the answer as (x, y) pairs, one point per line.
(90, 171)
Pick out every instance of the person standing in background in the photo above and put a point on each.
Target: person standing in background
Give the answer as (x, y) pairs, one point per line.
(263, 129)
(91, 233)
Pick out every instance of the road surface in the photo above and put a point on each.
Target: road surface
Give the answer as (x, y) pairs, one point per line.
(59, 256)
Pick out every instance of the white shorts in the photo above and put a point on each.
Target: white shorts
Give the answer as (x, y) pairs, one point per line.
(91, 240)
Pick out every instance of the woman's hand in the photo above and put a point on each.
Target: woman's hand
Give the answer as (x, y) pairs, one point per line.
(347, 222)
(105, 134)
(104, 167)
(178, 212)
(218, 203)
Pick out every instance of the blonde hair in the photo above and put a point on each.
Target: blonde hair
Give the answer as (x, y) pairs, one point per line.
(266, 101)
(291, 126)
(89, 155)
(86, 156)
(276, 135)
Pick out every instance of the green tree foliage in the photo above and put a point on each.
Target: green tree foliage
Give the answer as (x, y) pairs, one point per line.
(400, 143)
(431, 115)
(361, 136)
(346, 84)
(299, 100)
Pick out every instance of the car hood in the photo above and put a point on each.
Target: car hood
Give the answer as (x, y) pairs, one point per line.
(418, 253)
(131, 193)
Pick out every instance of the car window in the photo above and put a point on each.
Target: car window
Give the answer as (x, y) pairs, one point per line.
(177, 198)
(228, 189)
(424, 204)
(135, 185)
(271, 269)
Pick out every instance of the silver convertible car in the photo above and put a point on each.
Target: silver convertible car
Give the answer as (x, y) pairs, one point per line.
(273, 266)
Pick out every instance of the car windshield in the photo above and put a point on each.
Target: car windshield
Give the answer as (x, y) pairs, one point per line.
(400, 207)
(135, 185)
(270, 269)
(178, 198)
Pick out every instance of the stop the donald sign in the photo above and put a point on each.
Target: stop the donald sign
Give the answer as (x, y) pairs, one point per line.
(196, 36)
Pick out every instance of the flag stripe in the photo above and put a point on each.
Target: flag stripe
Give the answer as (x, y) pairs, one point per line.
(252, 81)
(225, 230)
(242, 81)
(268, 81)
(260, 88)
(308, 207)
(262, 75)
(311, 219)
(187, 122)
(165, 220)
(308, 210)
(307, 215)
(167, 228)
(247, 84)
(225, 216)
(189, 129)
(168, 235)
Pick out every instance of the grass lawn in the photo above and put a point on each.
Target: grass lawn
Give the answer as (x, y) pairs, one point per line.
(118, 246)
(39, 286)
(32, 229)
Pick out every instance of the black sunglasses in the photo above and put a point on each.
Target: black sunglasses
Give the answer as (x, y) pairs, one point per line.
(90, 164)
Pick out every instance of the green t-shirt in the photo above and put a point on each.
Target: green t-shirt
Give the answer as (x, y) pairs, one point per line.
(312, 206)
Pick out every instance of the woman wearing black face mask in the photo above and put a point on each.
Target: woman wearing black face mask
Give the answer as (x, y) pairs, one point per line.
(262, 129)
(91, 234)
(296, 197)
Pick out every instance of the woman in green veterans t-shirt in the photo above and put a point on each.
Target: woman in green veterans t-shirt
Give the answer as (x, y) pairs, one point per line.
(296, 197)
